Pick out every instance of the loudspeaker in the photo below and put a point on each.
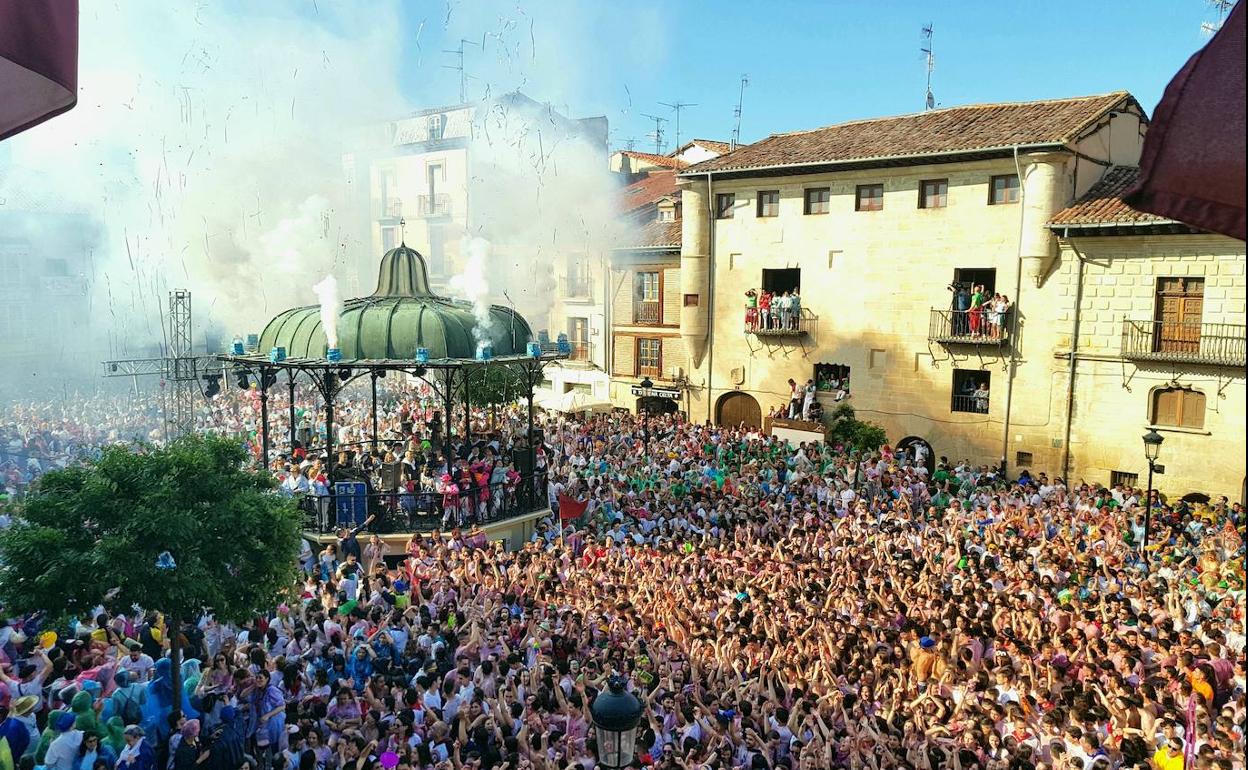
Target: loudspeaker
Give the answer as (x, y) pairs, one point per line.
(391, 475)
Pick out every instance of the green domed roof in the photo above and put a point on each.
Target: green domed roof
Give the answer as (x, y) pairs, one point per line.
(400, 316)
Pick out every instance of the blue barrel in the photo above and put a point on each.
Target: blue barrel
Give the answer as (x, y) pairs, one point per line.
(535, 349)
(333, 354)
(422, 355)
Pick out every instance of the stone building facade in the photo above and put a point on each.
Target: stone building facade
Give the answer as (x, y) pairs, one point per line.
(872, 222)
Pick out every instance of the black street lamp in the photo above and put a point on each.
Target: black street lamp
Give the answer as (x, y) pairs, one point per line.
(616, 714)
(1152, 449)
(646, 385)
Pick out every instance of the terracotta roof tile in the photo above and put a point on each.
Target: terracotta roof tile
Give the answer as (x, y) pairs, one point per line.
(666, 161)
(653, 235)
(1103, 204)
(710, 144)
(647, 190)
(932, 133)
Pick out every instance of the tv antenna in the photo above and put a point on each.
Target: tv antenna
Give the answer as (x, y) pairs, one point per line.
(930, 102)
(1222, 8)
(657, 135)
(676, 107)
(630, 144)
(736, 112)
(458, 66)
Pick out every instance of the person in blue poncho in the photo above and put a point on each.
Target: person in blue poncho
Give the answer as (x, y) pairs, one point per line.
(190, 681)
(159, 701)
(228, 742)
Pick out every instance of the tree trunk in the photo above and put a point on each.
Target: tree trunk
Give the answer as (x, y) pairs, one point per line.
(174, 628)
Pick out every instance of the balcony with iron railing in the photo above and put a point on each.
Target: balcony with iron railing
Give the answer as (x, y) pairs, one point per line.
(647, 312)
(438, 205)
(770, 322)
(967, 327)
(391, 208)
(1212, 344)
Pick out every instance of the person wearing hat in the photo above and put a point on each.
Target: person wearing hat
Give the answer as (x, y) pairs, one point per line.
(18, 727)
(63, 751)
(190, 753)
(138, 753)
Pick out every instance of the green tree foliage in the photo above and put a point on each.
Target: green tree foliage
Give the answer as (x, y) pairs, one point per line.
(496, 386)
(93, 535)
(846, 429)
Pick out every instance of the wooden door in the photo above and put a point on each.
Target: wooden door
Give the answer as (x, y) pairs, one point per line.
(737, 408)
(1180, 304)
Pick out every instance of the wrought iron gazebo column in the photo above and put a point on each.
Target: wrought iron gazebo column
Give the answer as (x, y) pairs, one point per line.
(328, 391)
(447, 393)
(467, 406)
(374, 383)
(264, 416)
(291, 385)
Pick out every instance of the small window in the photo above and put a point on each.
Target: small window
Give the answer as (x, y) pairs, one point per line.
(1022, 459)
(1123, 479)
(725, 204)
(647, 286)
(691, 300)
(649, 355)
(667, 215)
(1178, 408)
(971, 391)
(832, 378)
(435, 126)
(818, 200)
(870, 197)
(1003, 189)
(933, 193)
(769, 203)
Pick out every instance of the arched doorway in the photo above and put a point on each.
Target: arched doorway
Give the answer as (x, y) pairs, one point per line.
(1196, 497)
(656, 405)
(738, 408)
(913, 444)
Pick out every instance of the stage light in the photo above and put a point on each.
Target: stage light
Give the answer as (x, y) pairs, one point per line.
(243, 378)
(212, 385)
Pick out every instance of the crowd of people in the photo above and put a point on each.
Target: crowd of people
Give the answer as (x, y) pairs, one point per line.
(771, 605)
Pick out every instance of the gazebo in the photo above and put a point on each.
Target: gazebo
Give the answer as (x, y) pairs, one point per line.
(401, 327)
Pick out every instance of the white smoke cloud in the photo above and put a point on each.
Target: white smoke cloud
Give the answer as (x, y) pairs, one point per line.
(331, 308)
(473, 285)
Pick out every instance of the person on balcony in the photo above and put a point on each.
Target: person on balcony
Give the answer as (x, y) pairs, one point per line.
(764, 309)
(808, 399)
(961, 304)
(751, 310)
(795, 309)
(981, 398)
(795, 399)
(976, 313)
(785, 307)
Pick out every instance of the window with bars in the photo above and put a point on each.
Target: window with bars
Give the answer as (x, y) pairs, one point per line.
(768, 203)
(933, 193)
(1123, 479)
(725, 204)
(869, 197)
(818, 200)
(1003, 189)
(649, 356)
(1178, 408)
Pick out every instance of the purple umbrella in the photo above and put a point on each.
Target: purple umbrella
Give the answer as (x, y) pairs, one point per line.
(38, 62)
(1192, 169)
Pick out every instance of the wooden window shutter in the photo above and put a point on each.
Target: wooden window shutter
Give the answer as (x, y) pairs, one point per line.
(1166, 407)
(1193, 409)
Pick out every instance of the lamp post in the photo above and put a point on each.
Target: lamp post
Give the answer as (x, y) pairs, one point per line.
(1152, 449)
(646, 385)
(616, 714)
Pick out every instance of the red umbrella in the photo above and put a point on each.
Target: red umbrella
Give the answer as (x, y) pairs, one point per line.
(38, 62)
(1192, 168)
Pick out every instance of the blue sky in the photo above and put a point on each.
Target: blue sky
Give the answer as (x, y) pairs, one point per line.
(809, 63)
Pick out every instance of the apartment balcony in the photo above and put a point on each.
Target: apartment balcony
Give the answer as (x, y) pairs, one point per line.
(768, 324)
(1184, 343)
(581, 351)
(392, 208)
(647, 312)
(964, 327)
(431, 206)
